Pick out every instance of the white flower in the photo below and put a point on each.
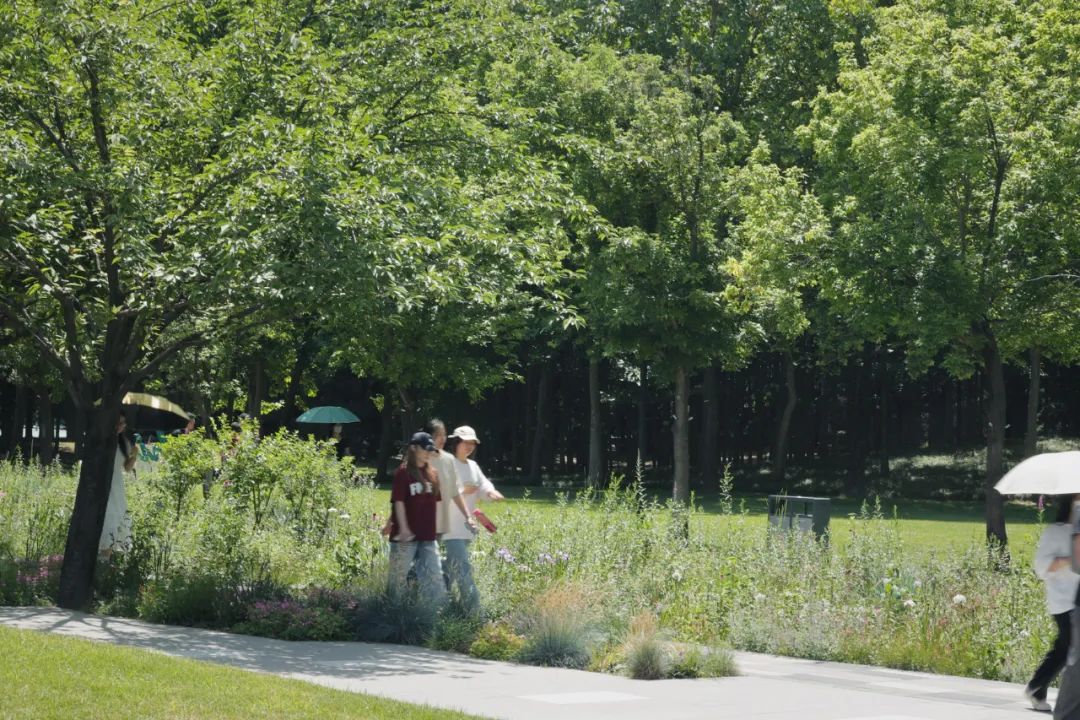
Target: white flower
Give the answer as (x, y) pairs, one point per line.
(917, 583)
(759, 596)
(332, 510)
(345, 516)
(676, 575)
(959, 599)
(909, 603)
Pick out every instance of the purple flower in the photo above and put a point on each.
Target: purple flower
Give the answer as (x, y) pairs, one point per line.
(563, 557)
(545, 559)
(504, 555)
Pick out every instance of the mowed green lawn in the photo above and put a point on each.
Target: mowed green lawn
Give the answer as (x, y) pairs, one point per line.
(48, 676)
(924, 526)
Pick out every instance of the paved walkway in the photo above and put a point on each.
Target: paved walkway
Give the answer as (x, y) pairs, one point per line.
(769, 687)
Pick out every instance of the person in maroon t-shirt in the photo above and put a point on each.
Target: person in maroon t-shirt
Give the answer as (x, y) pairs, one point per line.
(414, 500)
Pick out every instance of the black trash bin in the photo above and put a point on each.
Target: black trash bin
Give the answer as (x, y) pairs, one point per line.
(798, 512)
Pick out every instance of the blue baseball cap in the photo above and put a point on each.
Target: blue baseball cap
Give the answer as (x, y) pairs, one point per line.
(422, 440)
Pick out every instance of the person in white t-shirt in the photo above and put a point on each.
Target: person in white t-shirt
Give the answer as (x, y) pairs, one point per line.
(1053, 565)
(457, 537)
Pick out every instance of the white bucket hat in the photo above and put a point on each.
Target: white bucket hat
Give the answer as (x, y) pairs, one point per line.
(464, 432)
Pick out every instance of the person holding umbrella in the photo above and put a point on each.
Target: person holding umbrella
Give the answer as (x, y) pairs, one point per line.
(1053, 565)
(116, 530)
(1055, 474)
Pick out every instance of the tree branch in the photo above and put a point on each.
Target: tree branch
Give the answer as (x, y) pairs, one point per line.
(67, 306)
(25, 325)
(194, 339)
(55, 139)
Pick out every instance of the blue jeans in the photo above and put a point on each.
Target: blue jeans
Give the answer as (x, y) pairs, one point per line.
(459, 573)
(423, 556)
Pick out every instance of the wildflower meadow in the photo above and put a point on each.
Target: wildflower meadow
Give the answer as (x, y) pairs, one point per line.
(285, 541)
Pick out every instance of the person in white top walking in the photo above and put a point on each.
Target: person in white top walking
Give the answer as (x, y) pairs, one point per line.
(457, 537)
(1053, 565)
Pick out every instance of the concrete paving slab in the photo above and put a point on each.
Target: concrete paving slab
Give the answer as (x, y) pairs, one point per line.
(770, 688)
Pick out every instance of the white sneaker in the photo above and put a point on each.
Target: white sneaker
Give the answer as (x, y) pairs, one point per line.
(1036, 703)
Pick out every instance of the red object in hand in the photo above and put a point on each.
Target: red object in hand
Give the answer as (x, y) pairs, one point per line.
(484, 520)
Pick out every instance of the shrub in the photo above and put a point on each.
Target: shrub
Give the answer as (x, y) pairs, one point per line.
(497, 641)
(293, 620)
(196, 601)
(455, 629)
(187, 462)
(29, 582)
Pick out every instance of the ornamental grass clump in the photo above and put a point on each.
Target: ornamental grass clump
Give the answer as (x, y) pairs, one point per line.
(557, 628)
(646, 658)
(694, 661)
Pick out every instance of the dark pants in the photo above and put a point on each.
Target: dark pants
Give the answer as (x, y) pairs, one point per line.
(1055, 658)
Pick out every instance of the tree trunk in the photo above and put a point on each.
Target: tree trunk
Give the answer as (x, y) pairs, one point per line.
(995, 444)
(1031, 436)
(410, 414)
(643, 416)
(681, 437)
(7, 417)
(711, 429)
(596, 453)
(886, 387)
(46, 438)
(855, 479)
(91, 499)
(386, 439)
(18, 421)
(780, 450)
(256, 389)
(536, 452)
(296, 377)
(950, 414)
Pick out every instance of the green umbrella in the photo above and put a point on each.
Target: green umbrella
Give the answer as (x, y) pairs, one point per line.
(328, 415)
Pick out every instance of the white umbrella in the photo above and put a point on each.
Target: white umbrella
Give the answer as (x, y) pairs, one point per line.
(1047, 474)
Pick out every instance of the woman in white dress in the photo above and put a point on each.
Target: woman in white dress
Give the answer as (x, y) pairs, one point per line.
(116, 532)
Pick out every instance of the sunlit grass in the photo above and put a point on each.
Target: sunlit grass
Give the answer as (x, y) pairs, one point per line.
(46, 676)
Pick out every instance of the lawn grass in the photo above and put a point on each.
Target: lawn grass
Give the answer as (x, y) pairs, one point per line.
(924, 526)
(47, 676)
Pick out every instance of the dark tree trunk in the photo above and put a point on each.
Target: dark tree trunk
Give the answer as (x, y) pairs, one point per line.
(1031, 434)
(7, 417)
(643, 416)
(886, 388)
(18, 421)
(91, 498)
(596, 452)
(710, 429)
(256, 389)
(995, 444)
(296, 376)
(855, 479)
(46, 438)
(681, 437)
(410, 413)
(386, 439)
(780, 448)
(950, 414)
(542, 391)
